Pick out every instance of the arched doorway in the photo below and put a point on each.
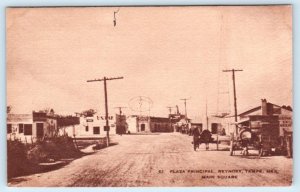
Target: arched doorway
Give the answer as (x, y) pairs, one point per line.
(143, 127)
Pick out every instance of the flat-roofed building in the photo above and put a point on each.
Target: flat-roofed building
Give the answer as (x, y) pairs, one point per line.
(30, 127)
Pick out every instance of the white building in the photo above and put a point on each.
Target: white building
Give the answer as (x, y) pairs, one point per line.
(138, 124)
(90, 127)
(30, 127)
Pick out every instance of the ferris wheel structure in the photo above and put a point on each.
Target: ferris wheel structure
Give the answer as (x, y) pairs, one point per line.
(141, 104)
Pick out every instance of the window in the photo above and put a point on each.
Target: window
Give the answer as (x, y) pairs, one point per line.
(9, 128)
(86, 128)
(21, 128)
(27, 129)
(96, 130)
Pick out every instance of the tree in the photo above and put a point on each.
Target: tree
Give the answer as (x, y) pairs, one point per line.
(287, 107)
(64, 121)
(88, 113)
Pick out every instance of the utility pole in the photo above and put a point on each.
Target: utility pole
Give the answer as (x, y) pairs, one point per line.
(170, 109)
(106, 128)
(119, 121)
(177, 110)
(170, 118)
(120, 109)
(186, 119)
(234, 95)
(185, 99)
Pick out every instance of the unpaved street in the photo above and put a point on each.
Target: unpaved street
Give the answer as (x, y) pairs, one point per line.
(164, 160)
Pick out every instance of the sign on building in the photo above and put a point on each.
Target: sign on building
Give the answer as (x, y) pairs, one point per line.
(285, 123)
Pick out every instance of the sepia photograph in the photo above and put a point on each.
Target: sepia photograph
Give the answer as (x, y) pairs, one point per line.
(149, 96)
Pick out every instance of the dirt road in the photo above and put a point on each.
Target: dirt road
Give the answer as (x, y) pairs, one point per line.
(164, 160)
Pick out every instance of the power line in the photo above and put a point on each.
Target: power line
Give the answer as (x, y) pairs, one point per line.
(234, 95)
(185, 99)
(104, 79)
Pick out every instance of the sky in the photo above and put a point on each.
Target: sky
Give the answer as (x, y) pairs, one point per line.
(163, 53)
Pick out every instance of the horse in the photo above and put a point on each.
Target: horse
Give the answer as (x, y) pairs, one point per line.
(205, 137)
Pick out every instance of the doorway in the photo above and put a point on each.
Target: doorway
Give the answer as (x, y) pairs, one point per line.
(143, 127)
(40, 129)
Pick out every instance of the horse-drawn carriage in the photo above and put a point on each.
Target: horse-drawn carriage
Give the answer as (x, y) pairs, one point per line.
(204, 137)
(265, 140)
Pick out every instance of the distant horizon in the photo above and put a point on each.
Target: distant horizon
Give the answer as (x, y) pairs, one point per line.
(136, 113)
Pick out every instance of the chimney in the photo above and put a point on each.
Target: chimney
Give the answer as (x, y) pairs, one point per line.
(264, 109)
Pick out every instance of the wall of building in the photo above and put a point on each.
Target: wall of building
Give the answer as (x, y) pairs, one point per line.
(226, 123)
(143, 124)
(89, 126)
(19, 124)
(16, 134)
(161, 127)
(132, 124)
(138, 124)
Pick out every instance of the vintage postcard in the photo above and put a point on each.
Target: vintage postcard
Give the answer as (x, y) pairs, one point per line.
(161, 96)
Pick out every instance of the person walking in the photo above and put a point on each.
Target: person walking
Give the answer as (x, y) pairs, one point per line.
(196, 135)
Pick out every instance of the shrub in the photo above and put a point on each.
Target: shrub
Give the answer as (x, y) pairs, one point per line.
(54, 148)
(17, 161)
(22, 160)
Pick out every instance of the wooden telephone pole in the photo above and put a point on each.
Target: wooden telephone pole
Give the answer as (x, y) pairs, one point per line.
(234, 95)
(170, 109)
(185, 99)
(119, 121)
(106, 128)
(120, 109)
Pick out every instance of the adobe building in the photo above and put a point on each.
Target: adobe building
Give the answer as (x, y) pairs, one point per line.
(161, 124)
(90, 127)
(137, 124)
(222, 125)
(31, 127)
(196, 122)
